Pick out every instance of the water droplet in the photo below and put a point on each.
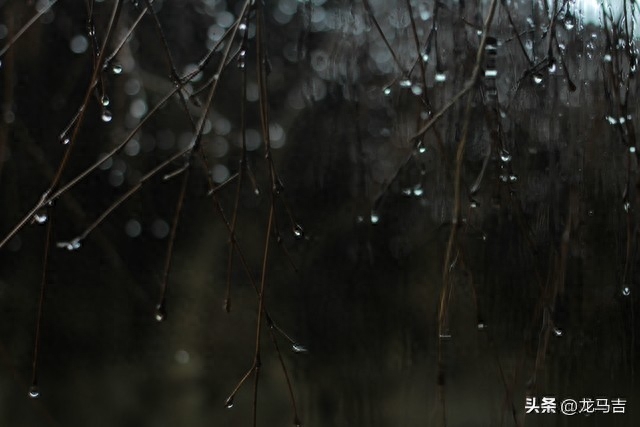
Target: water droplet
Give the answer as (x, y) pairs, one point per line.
(71, 245)
(229, 403)
(558, 332)
(105, 100)
(375, 218)
(256, 191)
(612, 120)
(34, 392)
(473, 204)
(441, 77)
(406, 191)
(569, 24)
(505, 156)
(65, 140)
(416, 90)
(425, 57)
(242, 27)
(513, 178)
(632, 149)
(298, 232)
(504, 178)
(116, 69)
(106, 116)
(405, 83)
(242, 58)
(552, 66)
(387, 91)
(537, 78)
(626, 206)
(491, 73)
(482, 326)
(41, 216)
(297, 348)
(418, 190)
(161, 313)
(626, 291)
(607, 58)
(591, 212)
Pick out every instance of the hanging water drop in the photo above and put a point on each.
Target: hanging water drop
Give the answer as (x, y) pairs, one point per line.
(241, 58)
(41, 216)
(626, 291)
(632, 149)
(626, 206)
(505, 156)
(34, 391)
(65, 140)
(441, 77)
(552, 66)
(607, 58)
(537, 78)
(418, 190)
(425, 57)
(481, 325)
(229, 403)
(558, 332)
(71, 245)
(116, 69)
(405, 83)
(106, 116)
(513, 178)
(297, 348)
(298, 232)
(375, 218)
(105, 101)
(569, 24)
(161, 313)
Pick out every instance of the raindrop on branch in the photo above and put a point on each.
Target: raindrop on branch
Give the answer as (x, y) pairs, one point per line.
(626, 291)
(481, 325)
(297, 348)
(387, 91)
(505, 156)
(116, 69)
(405, 83)
(105, 101)
(229, 403)
(161, 313)
(106, 116)
(34, 391)
(537, 78)
(41, 216)
(558, 332)
(441, 77)
(298, 232)
(71, 245)
(375, 218)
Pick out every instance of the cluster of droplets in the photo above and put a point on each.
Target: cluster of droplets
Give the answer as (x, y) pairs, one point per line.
(71, 245)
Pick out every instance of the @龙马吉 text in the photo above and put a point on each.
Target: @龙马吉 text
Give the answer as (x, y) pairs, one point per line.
(574, 406)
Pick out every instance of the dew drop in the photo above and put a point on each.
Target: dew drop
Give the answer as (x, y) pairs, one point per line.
(418, 191)
(105, 101)
(405, 83)
(504, 178)
(513, 178)
(387, 91)
(116, 69)
(607, 58)
(41, 216)
(552, 66)
(71, 245)
(441, 77)
(298, 232)
(416, 90)
(569, 24)
(229, 403)
(473, 205)
(626, 206)
(612, 120)
(242, 27)
(632, 149)
(297, 348)
(425, 57)
(626, 291)
(505, 156)
(34, 392)
(106, 116)
(558, 332)
(65, 140)
(537, 79)
(161, 315)
(375, 218)
(482, 326)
